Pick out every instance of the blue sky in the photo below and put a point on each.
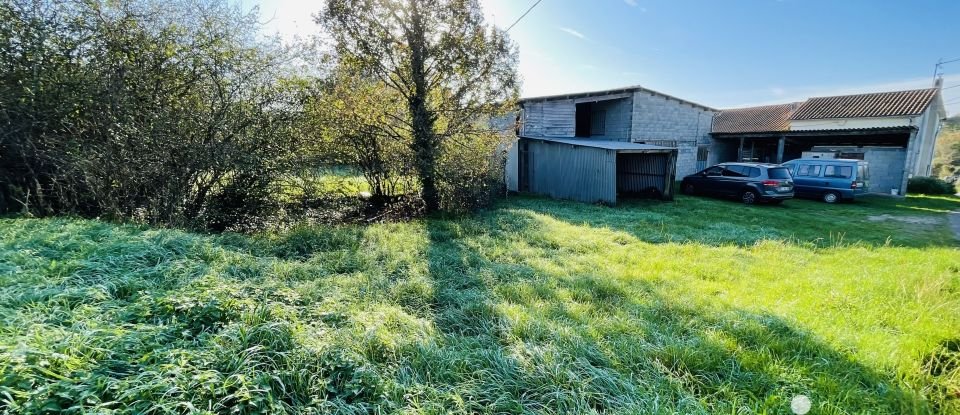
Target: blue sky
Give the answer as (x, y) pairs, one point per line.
(719, 53)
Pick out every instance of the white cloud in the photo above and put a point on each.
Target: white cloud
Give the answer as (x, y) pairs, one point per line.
(777, 91)
(631, 3)
(572, 32)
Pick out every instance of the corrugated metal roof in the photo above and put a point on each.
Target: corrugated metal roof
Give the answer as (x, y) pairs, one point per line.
(604, 144)
(767, 118)
(631, 88)
(880, 104)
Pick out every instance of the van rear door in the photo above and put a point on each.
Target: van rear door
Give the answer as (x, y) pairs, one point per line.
(863, 177)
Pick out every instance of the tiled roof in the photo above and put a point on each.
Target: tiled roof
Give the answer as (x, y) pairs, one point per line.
(768, 118)
(881, 104)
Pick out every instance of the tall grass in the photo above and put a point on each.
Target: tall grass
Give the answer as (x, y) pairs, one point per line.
(537, 306)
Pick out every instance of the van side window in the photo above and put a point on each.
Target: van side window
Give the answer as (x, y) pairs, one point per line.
(812, 170)
(842, 172)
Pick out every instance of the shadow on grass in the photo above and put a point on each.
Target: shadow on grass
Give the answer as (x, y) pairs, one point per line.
(528, 338)
(875, 221)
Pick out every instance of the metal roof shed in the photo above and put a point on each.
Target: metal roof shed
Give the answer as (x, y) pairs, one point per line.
(593, 170)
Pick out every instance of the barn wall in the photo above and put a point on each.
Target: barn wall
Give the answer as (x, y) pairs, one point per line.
(553, 118)
(661, 120)
(511, 165)
(618, 119)
(564, 171)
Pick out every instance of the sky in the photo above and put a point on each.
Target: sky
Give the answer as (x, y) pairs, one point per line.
(719, 53)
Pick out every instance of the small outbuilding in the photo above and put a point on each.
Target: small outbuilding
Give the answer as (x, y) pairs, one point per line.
(590, 170)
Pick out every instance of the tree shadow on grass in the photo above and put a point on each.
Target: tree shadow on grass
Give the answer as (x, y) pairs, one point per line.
(519, 336)
(801, 222)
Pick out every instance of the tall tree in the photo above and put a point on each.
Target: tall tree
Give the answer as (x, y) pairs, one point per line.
(452, 70)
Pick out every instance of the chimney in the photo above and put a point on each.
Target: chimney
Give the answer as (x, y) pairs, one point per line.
(938, 83)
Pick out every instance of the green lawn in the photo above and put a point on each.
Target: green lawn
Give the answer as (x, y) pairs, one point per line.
(693, 306)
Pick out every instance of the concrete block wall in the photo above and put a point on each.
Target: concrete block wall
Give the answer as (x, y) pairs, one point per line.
(885, 164)
(618, 112)
(659, 118)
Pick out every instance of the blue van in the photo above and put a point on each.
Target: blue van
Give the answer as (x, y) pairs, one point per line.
(830, 180)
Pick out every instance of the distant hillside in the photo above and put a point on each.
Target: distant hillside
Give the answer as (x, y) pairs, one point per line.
(946, 160)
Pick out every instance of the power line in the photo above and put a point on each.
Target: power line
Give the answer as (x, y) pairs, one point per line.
(523, 15)
(951, 86)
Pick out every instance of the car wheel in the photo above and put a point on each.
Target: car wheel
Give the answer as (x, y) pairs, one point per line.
(831, 197)
(688, 189)
(749, 197)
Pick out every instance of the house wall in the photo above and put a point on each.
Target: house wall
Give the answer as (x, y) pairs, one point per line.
(927, 129)
(885, 164)
(565, 171)
(657, 118)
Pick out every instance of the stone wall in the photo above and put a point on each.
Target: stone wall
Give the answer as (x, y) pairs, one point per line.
(662, 120)
(885, 164)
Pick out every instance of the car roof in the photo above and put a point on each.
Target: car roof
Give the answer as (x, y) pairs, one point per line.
(829, 160)
(740, 163)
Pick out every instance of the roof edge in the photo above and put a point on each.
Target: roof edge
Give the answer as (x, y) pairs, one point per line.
(630, 88)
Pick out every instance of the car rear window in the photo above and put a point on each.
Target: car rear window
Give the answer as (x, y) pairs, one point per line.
(778, 173)
(842, 172)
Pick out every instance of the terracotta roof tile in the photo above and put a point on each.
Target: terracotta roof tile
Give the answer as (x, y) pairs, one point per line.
(881, 104)
(768, 118)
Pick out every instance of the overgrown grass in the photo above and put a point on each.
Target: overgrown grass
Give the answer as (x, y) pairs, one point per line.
(695, 306)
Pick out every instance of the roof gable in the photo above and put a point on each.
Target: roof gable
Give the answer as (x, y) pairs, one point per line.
(881, 104)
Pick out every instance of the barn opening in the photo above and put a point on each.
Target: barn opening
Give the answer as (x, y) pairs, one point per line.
(591, 119)
(645, 175)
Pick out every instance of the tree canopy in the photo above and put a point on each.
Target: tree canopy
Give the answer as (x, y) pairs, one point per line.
(452, 70)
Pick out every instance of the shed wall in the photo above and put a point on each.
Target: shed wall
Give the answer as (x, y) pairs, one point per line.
(564, 171)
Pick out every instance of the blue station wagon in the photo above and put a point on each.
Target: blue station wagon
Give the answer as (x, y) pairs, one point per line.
(830, 180)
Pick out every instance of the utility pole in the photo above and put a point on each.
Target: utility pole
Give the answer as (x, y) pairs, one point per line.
(938, 66)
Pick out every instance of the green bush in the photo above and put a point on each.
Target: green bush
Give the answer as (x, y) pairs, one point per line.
(930, 186)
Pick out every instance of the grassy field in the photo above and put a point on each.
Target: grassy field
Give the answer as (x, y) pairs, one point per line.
(694, 306)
